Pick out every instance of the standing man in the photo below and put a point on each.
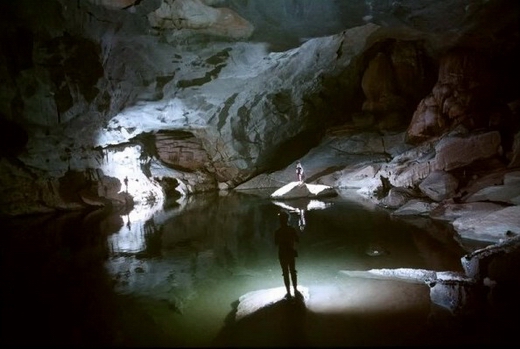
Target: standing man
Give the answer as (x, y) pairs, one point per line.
(300, 175)
(285, 238)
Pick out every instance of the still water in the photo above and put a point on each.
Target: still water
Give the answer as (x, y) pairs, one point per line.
(174, 278)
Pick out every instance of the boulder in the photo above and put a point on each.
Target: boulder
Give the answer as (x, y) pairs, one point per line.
(296, 190)
(451, 211)
(492, 227)
(477, 264)
(415, 207)
(397, 197)
(455, 152)
(439, 185)
(252, 302)
(458, 294)
(508, 193)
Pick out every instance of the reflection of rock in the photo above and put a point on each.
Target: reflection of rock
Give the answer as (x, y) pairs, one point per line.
(304, 204)
(458, 294)
(418, 276)
(488, 273)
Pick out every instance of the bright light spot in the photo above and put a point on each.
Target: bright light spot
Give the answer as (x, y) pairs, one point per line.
(301, 190)
(306, 205)
(359, 295)
(285, 206)
(125, 163)
(148, 196)
(318, 205)
(254, 301)
(130, 238)
(285, 189)
(317, 188)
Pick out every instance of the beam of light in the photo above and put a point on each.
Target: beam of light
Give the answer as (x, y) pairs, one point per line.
(363, 296)
(131, 236)
(147, 195)
(125, 163)
(342, 295)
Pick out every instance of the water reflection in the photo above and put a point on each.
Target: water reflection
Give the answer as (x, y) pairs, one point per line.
(170, 278)
(300, 206)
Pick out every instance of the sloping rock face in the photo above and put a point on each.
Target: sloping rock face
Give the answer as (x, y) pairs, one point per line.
(184, 96)
(195, 14)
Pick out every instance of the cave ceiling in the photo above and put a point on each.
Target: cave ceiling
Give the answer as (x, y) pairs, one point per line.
(209, 94)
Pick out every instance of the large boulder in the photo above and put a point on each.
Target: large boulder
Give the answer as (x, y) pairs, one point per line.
(295, 190)
(458, 151)
(197, 15)
(492, 227)
(508, 192)
(439, 185)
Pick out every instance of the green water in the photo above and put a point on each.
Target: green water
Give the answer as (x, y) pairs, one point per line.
(174, 279)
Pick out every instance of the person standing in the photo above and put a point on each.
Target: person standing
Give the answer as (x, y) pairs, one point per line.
(300, 175)
(285, 238)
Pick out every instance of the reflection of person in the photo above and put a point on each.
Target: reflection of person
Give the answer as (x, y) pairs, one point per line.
(286, 237)
(301, 221)
(300, 175)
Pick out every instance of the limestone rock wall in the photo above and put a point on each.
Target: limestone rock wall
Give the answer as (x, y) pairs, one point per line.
(94, 87)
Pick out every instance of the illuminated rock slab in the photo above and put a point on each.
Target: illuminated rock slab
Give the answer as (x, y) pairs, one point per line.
(295, 190)
(255, 301)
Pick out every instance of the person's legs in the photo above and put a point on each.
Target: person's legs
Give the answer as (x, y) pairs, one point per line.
(285, 273)
(294, 278)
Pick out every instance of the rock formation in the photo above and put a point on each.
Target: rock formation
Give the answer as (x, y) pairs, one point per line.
(192, 89)
(125, 103)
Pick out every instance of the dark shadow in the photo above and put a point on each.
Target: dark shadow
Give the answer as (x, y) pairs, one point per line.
(280, 324)
(288, 323)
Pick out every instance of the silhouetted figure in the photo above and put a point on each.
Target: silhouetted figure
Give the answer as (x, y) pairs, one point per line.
(300, 174)
(126, 183)
(128, 224)
(286, 237)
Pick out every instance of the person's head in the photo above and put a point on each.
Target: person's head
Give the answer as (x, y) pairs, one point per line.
(284, 217)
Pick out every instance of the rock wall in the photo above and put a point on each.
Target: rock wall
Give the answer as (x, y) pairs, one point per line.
(114, 77)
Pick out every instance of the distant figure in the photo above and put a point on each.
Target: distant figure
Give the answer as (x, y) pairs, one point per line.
(128, 224)
(126, 183)
(285, 238)
(301, 220)
(300, 175)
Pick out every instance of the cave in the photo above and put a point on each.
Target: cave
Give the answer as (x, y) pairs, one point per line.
(130, 116)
